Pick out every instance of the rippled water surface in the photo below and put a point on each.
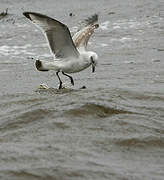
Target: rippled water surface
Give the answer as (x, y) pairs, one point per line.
(113, 129)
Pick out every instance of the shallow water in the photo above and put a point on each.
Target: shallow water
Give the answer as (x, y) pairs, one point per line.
(113, 129)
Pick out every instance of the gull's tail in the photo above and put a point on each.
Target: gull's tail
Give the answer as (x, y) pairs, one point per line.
(39, 66)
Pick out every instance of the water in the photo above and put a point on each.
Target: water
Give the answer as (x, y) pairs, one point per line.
(113, 129)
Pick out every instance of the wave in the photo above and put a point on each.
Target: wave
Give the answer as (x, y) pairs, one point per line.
(95, 110)
(25, 118)
(149, 141)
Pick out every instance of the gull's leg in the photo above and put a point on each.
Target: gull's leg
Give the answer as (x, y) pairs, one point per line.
(60, 86)
(72, 82)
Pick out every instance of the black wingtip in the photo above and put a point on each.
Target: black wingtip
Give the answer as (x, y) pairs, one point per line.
(92, 19)
(26, 14)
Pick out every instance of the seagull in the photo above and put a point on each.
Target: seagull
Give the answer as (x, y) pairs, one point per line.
(70, 53)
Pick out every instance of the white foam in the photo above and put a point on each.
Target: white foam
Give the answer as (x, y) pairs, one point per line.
(129, 24)
(124, 39)
(14, 50)
(104, 25)
(116, 27)
(124, 24)
(103, 45)
(46, 55)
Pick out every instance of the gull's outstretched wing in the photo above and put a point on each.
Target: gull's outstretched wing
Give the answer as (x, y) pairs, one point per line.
(58, 35)
(82, 36)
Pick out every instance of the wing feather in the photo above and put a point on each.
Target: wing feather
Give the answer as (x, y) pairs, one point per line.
(81, 39)
(82, 36)
(58, 35)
